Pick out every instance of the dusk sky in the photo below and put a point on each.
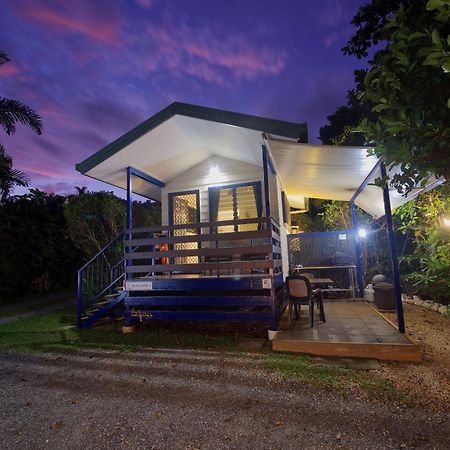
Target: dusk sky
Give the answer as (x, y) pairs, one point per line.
(95, 69)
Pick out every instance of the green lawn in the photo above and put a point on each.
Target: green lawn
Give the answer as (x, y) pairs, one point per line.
(348, 381)
(17, 306)
(55, 332)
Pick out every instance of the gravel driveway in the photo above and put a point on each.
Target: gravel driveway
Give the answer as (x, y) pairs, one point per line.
(180, 399)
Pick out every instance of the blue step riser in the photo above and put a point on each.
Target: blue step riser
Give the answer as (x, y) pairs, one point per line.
(103, 311)
(211, 316)
(213, 284)
(199, 301)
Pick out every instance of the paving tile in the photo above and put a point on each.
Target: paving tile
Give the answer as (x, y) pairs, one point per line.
(346, 322)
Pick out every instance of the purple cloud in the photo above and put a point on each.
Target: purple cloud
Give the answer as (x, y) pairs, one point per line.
(93, 70)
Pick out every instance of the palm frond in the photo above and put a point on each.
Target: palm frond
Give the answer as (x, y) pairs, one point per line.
(9, 177)
(13, 111)
(3, 58)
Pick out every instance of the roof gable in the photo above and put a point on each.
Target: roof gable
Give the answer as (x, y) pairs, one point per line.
(276, 127)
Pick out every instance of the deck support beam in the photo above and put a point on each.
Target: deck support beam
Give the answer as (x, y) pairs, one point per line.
(393, 252)
(359, 274)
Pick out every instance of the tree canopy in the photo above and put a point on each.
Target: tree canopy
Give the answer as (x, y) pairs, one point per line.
(340, 129)
(402, 100)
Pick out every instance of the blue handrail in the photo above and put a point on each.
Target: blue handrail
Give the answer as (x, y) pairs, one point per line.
(97, 270)
(120, 236)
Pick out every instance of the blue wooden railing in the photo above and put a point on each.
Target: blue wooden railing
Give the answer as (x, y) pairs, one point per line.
(100, 276)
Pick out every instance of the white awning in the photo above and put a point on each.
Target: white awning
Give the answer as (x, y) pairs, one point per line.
(334, 173)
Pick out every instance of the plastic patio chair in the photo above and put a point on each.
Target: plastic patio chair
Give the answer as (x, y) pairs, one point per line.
(300, 293)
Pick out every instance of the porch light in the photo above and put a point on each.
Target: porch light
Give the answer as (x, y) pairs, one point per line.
(445, 221)
(362, 233)
(214, 175)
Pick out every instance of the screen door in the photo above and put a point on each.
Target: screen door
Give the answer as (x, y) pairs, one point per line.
(184, 209)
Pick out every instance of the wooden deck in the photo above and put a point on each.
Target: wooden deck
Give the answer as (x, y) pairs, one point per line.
(352, 330)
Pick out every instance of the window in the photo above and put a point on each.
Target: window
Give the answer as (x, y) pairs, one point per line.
(234, 202)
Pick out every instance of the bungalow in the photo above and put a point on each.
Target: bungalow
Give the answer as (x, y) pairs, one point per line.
(226, 183)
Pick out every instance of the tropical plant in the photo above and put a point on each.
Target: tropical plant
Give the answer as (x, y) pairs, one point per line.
(427, 267)
(407, 87)
(36, 250)
(9, 177)
(13, 112)
(340, 129)
(94, 219)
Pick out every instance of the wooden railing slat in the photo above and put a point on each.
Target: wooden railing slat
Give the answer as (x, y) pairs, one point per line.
(193, 268)
(199, 238)
(227, 251)
(211, 224)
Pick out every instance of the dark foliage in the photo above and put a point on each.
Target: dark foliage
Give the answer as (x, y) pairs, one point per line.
(45, 238)
(9, 177)
(3, 58)
(37, 252)
(339, 129)
(369, 22)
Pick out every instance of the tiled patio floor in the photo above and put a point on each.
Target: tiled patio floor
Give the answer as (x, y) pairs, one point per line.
(355, 328)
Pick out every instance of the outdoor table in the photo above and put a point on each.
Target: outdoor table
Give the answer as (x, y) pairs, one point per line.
(351, 273)
(316, 281)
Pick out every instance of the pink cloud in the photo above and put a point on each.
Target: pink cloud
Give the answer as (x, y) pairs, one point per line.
(9, 70)
(57, 188)
(207, 56)
(146, 4)
(65, 18)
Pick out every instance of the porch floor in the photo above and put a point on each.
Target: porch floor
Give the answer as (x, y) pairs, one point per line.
(352, 330)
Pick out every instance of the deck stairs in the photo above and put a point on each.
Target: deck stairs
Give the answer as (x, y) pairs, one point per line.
(103, 309)
(100, 281)
(207, 275)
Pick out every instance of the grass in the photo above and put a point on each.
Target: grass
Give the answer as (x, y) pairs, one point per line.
(14, 307)
(55, 332)
(345, 380)
(52, 332)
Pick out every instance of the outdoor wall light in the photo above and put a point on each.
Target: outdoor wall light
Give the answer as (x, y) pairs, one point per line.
(445, 221)
(362, 233)
(214, 175)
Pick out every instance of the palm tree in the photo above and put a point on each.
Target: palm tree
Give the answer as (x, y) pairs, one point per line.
(13, 112)
(9, 177)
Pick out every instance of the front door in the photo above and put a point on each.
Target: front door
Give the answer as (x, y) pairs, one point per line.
(184, 208)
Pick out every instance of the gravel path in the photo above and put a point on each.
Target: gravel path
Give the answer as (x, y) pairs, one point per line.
(180, 399)
(429, 382)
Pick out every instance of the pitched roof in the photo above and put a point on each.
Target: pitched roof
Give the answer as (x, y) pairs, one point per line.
(297, 131)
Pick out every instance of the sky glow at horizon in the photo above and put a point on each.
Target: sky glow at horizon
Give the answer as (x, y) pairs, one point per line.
(95, 69)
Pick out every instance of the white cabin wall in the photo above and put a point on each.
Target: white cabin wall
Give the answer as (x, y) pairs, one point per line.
(198, 177)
